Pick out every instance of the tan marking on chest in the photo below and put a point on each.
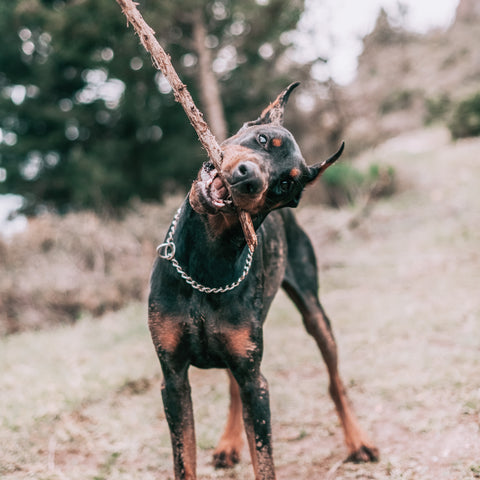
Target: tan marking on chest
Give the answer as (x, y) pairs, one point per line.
(166, 332)
(238, 342)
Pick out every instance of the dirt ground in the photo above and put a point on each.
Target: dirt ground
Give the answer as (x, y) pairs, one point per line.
(399, 279)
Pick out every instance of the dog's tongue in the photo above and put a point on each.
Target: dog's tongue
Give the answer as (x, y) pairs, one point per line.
(219, 188)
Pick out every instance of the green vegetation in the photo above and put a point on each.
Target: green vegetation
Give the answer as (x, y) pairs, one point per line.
(345, 183)
(465, 120)
(437, 108)
(475, 469)
(397, 100)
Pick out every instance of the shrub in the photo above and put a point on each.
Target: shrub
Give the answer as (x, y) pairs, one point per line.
(397, 100)
(465, 119)
(344, 183)
(437, 108)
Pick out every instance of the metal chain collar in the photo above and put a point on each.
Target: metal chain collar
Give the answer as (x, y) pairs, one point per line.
(167, 252)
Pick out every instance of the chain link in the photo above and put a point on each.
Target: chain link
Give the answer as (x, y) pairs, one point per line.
(167, 252)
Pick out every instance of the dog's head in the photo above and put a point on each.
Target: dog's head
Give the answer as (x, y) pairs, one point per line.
(262, 164)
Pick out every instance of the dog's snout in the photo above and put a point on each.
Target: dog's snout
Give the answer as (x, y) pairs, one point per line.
(244, 171)
(247, 178)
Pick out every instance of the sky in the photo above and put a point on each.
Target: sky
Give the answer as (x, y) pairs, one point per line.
(8, 204)
(334, 28)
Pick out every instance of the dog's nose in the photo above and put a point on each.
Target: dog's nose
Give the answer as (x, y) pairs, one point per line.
(247, 178)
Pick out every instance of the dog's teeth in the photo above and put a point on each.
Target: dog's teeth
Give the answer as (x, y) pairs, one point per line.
(218, 203)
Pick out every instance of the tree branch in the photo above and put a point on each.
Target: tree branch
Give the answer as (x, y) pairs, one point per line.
(162, 61)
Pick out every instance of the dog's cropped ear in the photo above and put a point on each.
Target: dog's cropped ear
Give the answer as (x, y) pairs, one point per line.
(273, 114)
(316, 170)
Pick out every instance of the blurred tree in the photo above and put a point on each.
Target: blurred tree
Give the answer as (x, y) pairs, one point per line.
(85, 119)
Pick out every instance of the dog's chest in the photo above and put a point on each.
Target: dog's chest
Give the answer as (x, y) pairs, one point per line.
(213, 337)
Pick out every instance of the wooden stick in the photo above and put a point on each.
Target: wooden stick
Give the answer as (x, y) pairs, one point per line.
(162, 61)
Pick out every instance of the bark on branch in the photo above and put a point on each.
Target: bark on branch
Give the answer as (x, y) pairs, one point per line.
(162, 61)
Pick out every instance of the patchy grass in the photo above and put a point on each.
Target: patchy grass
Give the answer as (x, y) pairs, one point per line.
(401, 287)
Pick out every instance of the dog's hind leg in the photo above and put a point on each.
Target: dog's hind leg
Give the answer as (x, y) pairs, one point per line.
(301, 284)
(229, 448)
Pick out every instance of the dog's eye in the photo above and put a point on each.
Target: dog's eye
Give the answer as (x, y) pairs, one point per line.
(262, 140)
(284, 187)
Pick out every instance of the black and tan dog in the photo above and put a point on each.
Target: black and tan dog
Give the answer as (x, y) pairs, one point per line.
(210, 295)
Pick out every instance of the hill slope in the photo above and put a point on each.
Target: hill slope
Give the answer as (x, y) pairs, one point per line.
(405, 79)
(401, 288)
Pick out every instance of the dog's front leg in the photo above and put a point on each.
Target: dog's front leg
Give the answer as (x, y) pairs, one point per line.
(177, 403)
(256, 417)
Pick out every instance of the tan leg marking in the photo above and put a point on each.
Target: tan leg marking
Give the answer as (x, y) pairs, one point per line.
(359, 446)
(229, 448)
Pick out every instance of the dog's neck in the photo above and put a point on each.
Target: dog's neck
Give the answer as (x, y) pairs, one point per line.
(213, 245)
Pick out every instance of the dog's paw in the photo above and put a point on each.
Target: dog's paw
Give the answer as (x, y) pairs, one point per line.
(364, 454)
(227, 458)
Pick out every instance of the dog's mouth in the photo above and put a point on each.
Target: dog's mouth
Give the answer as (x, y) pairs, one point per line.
(241, 184)
(211, 192)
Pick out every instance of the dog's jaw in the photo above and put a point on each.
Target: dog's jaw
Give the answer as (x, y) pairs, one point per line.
(208, 194)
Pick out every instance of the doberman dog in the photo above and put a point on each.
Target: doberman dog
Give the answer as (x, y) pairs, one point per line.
(210, 294)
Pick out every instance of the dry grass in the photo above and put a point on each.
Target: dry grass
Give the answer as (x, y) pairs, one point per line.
(64, 267)
(83, 402)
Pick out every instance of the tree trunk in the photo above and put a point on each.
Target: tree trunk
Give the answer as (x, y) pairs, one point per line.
(209, 89)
